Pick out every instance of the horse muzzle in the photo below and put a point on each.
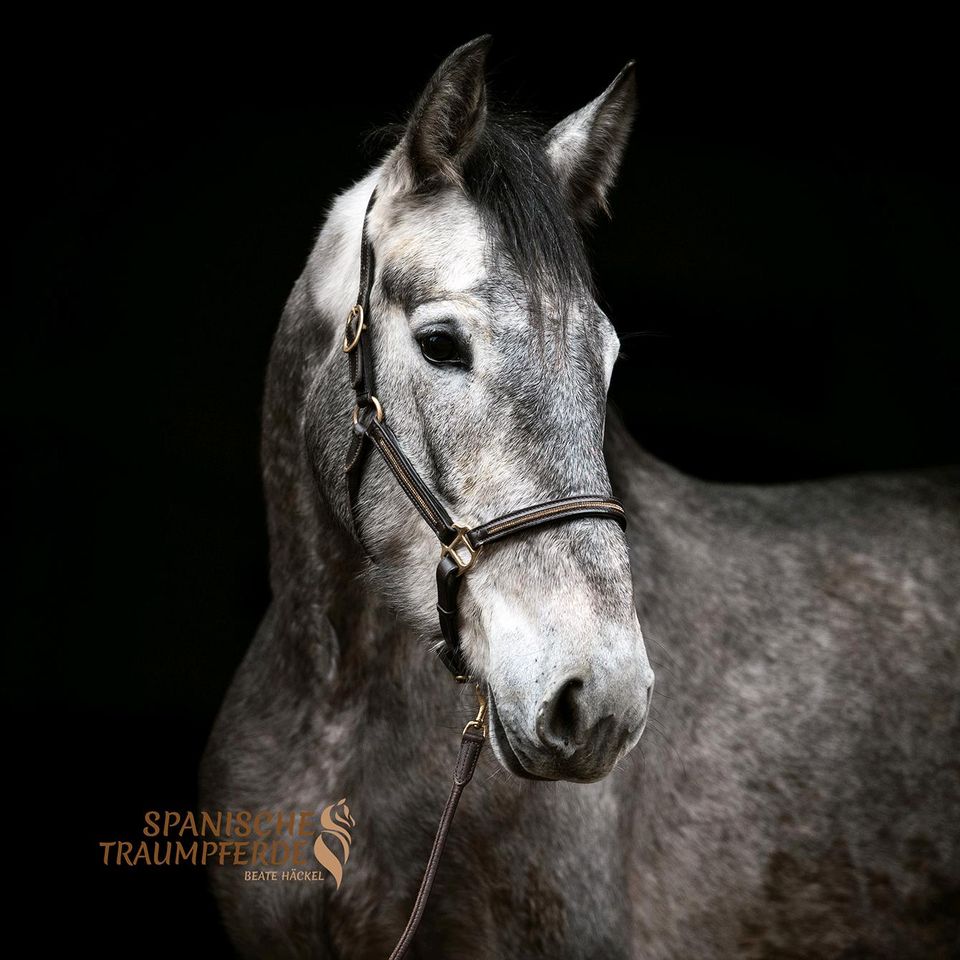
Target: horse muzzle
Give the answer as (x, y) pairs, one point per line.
(577, 733)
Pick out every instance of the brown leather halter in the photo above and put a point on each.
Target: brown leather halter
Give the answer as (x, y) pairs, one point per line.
(460, 546)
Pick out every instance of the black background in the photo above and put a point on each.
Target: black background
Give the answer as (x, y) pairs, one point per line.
(781, 267)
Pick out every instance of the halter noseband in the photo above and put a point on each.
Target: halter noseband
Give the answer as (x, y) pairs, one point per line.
(460, 546)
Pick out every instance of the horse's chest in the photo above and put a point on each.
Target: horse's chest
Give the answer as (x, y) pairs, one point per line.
(525, 874)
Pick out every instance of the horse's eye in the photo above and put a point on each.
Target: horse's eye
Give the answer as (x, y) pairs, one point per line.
(440, 347)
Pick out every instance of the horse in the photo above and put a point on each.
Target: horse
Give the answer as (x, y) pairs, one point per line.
(796, 791)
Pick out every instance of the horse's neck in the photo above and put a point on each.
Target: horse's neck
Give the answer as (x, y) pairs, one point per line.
(657, 497)
(694, 546)
(672, 529)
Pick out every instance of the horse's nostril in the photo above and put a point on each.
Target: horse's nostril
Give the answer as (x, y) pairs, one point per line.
(560, 721)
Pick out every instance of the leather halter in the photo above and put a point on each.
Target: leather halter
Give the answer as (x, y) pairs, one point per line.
(460, 545)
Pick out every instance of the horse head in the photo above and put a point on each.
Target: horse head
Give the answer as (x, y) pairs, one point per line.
(494, 359)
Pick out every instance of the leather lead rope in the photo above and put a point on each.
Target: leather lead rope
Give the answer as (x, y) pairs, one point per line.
(460, 546)
(471, 743)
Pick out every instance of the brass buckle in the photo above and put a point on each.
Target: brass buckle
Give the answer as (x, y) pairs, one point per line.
(377, 409)
(460, 540)
(480, 721)
(354, 316)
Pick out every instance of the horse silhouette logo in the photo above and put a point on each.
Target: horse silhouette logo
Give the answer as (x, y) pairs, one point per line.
(334, 822)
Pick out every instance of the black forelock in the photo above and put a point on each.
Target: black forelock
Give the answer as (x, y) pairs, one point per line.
(508, 177)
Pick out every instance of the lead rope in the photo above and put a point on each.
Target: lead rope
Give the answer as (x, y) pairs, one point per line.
(471, 743)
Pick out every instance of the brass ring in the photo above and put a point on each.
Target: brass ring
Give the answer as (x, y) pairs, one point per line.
(377, 409)
(354, 316)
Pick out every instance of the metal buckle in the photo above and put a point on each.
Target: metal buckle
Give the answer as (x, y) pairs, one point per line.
(460, 540)
(354, 316)
(377, 409)
(480, 721)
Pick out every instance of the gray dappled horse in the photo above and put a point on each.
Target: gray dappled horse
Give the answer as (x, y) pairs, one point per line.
(798, 791)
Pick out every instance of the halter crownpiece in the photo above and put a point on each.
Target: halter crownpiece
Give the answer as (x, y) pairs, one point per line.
(460, 546)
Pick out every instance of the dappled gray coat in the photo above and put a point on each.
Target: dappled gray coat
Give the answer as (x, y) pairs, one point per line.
(796, 792)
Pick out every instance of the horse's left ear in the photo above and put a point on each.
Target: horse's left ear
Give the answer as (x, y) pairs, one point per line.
(586, 148)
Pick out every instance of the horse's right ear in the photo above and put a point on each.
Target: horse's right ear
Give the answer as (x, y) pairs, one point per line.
(447, 119)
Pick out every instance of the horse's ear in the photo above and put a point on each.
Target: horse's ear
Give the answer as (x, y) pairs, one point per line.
(448, 117)
(586, 148)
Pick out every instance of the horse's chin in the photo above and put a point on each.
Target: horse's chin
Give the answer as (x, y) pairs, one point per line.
(502, 747)
(511, 756)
